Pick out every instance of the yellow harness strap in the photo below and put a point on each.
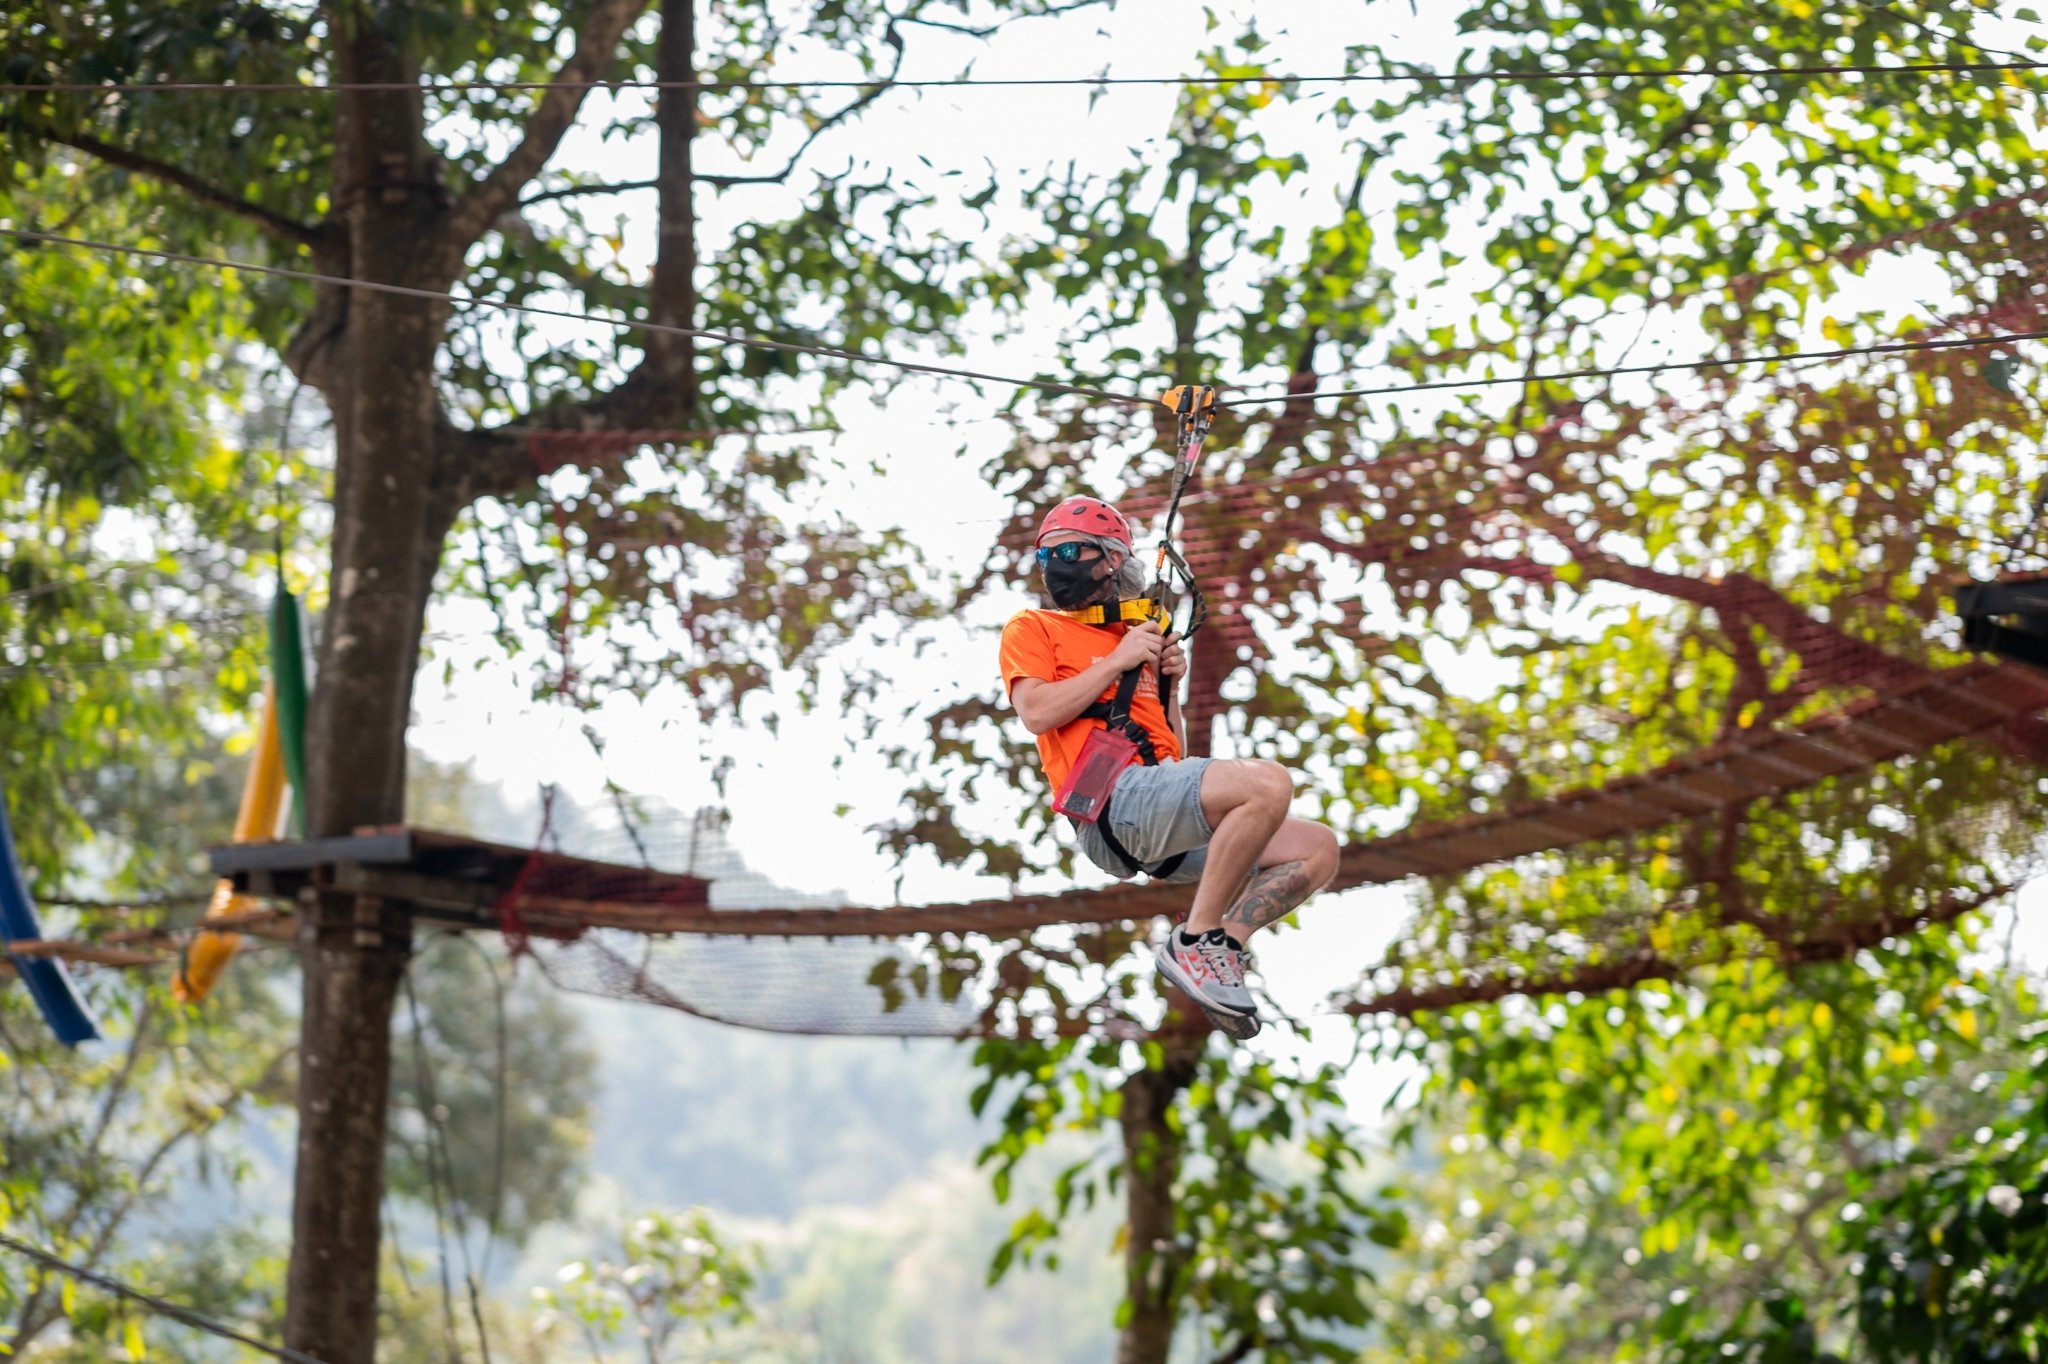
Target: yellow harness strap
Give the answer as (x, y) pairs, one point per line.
(1129, 611)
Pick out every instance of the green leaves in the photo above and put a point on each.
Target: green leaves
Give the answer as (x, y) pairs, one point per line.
(676, 1282)
(92, 1140)
(1696, 1173)
(1948, 1258)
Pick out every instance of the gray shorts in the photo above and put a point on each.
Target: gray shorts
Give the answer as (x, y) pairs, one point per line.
(1156, 812)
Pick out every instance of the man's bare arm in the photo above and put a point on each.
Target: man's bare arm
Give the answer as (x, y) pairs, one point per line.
(1044, 705)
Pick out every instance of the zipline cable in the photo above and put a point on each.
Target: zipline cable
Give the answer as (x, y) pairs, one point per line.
(622, 323)
(1662, 367)
(979, 376)
(1512, 75)
(155, 1304)
(1754, 279)
(63, 584)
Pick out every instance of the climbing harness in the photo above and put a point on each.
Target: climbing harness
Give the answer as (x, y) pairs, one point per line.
(1084, 796)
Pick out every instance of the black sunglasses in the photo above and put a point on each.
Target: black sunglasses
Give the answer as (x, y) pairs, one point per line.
(1068, 553)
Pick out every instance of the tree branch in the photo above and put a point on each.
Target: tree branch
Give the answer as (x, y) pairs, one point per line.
(1828, 656)
(574, 191)
(197, 1124)
(275, 223)
(114, 1093)
(796, 157)
(988, 30)
(717, 181)
(499, 189)
(881, 87)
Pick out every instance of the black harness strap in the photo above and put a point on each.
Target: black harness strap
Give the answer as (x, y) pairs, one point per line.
(1115, 845)
(1116, 713)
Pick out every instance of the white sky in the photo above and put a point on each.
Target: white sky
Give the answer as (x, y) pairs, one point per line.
(784, 794)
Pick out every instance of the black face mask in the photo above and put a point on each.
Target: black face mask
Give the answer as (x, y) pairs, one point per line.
(1073, 586)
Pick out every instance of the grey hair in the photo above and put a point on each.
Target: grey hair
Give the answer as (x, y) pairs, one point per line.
(1130, 574)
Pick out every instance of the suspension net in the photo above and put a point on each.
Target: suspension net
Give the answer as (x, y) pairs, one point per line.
(736, 948)
(1799, 762)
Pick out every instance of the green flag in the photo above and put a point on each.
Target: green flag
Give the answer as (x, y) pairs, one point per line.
(288, 672)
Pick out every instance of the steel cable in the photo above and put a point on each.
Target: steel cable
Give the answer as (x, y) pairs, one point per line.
(980, 376)
(527, 309)
(1418, 76)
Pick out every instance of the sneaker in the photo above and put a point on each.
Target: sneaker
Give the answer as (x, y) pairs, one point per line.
(1237, 1027)
(1209, 968)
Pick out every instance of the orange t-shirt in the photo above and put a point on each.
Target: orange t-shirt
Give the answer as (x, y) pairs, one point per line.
(1053, 648)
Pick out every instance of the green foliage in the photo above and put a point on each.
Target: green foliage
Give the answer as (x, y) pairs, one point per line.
(1576, 533)
(1953, 1265)
(233, 1275)
(1592, 192)
(125, 630)
(1663, 571)
(261, 176)
(1271, 1230)
(674, 1288)
(1661, 1174)
(1947, 1259)
(95, 1143)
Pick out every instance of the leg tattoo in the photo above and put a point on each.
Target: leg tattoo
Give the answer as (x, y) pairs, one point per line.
(1272, 894)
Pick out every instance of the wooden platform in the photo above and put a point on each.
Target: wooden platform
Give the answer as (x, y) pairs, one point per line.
(455, 879)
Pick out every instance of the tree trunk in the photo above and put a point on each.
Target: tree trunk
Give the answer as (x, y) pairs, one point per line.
(672, 293)
(388, 528)
(402, 474)
(351, 982)
(1152, 1151)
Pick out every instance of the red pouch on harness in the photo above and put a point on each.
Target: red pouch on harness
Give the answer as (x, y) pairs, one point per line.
(1103, 759)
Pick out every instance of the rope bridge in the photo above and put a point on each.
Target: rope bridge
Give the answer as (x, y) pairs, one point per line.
(713, 945)
(729, 946)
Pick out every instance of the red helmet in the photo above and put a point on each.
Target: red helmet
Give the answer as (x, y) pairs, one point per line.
(1090, 516)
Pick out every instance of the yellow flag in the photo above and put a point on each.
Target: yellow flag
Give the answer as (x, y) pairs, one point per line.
(255, 821)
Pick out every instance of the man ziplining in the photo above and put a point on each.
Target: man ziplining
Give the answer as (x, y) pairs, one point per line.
(1096, 679)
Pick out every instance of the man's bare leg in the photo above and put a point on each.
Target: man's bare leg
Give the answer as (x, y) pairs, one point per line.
(1297, 861)
(1260, 864)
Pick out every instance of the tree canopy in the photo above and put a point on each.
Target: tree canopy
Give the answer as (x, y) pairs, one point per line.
(1652, 565)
